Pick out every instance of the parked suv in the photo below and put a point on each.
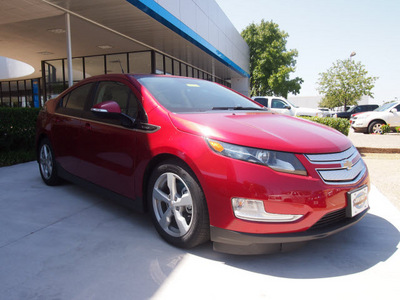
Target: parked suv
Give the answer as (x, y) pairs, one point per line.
(206, 162)
(356, 109)
(371, 122)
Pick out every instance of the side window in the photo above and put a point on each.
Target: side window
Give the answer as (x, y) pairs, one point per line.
(262, 101)
(77, 98)
(120, 93)
(73, 103)
(276, 103)
(397, 107)
(360, 108)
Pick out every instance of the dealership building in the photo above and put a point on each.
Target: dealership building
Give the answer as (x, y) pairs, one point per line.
(47, 45)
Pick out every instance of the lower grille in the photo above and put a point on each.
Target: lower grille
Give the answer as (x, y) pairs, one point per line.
(330, 219)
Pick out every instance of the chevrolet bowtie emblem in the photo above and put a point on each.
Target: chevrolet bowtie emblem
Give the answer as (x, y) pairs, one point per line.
(347, 164)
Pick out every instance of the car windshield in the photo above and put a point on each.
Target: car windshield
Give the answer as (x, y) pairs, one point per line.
(194, 95)
(385, 106)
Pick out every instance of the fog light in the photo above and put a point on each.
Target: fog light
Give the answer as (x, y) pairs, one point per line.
(253, 210)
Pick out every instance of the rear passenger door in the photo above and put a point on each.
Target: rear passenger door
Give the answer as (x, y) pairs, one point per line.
(66, 128)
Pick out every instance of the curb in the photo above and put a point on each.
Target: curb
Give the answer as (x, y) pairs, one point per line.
(378, 150)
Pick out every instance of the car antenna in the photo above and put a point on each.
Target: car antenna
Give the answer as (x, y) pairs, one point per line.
(122, 69)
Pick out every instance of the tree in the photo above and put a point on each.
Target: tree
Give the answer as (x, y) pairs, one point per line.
(270, 62)
(344, 84)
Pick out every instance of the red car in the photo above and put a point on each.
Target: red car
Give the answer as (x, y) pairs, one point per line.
(205, 161)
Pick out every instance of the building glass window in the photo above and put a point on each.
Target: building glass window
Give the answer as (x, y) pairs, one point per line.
(14, 94)
(56, 71)
(168, 65)
(176, 68)
(117, 63)
(140, 62)
(5, 94)
(159, 64)
(28, 93)
(94, 65)
(183, 70)
(54, 76)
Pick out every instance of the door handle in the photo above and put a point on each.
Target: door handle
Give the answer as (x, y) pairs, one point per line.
(88, 126)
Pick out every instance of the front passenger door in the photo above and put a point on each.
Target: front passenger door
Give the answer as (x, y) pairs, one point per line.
(109, 158)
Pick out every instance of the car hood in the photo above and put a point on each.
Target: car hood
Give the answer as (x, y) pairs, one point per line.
(263, 130)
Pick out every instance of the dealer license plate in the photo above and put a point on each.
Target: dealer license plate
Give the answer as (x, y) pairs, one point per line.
(357, 201)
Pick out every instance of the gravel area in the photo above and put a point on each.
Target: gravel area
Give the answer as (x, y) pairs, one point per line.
(384, 170)
(381, 153)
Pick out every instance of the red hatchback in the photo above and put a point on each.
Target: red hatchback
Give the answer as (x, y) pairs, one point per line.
(205, 161)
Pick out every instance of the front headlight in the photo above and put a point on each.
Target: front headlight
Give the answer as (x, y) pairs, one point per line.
(278, 161)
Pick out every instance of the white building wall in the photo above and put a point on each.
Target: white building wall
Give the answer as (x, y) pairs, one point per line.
(208, 20)
(313, 101)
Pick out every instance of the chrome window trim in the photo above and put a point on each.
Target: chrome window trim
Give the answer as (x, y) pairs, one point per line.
(156, 127)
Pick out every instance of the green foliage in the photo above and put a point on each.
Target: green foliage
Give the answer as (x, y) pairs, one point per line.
(344, 84)
(17, 135)
(385, 128)
(270, 62)
(339, 124)
(397, 129)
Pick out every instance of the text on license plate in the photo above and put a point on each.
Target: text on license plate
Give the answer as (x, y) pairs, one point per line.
(358, 201)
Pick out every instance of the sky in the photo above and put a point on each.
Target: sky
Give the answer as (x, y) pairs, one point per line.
(324, 31)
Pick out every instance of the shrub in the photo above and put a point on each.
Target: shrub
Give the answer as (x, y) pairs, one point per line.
(397, 129)
(339, 124)
(17, 134)
(385, 128)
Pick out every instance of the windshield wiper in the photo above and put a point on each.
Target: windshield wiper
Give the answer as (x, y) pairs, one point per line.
(237, 108)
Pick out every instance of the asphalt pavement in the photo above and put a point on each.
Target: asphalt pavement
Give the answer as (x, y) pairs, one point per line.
(66, 242)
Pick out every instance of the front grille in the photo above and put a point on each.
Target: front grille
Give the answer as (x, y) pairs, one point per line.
(330, 219)
(339, 168)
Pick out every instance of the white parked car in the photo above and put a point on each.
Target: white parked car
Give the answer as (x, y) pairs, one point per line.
(283, 106)
(371, 122)
(326, 112)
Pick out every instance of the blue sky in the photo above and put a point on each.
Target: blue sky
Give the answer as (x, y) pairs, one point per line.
(324, 31)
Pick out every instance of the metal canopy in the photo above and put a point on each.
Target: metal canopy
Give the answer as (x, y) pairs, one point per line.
(34, 30)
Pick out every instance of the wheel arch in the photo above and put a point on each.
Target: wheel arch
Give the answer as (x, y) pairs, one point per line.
(376, 120)
(39, 139)
(153, 163)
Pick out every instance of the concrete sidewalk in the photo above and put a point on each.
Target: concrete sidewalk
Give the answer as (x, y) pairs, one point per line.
(376, 143)
(68, 243)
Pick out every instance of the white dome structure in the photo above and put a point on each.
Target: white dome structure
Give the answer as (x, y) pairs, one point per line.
(11, 68)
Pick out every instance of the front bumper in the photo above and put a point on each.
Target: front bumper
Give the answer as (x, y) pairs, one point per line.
(240, 243)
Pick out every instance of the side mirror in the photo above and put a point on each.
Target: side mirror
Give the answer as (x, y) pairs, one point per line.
(111, 109)
(287, 107)
(106, 107)
(393, 110)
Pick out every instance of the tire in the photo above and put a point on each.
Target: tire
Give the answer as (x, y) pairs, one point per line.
(47, 163)
(375, 127)
(177, 205)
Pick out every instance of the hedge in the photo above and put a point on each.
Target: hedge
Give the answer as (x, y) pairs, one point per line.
(340, 124)
(17, 134)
